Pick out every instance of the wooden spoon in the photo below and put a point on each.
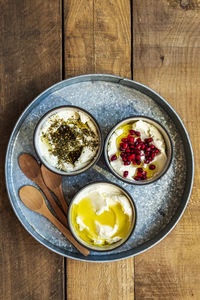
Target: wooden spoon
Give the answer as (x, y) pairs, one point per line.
(31, 169)
(54, 182)
(34, 200)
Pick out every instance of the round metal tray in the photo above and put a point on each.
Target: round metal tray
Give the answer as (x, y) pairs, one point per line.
(109, 99)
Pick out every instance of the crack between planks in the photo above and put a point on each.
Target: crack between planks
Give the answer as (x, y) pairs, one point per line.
(63, 39)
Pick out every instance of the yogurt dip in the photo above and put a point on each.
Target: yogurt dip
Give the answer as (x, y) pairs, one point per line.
(137, 150)
(101, 215)
(68, 140)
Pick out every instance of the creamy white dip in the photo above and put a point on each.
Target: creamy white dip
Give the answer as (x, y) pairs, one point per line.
(146, 130)
(100, 198)
(88, 153)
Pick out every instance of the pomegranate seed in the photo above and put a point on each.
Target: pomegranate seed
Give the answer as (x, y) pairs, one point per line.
(128, 150)
(152, 167)
(157, 151)
(124, 158)
(144, 177)
(147, 153)
(137, 151)
(126, 163)
(144, 173)
(134, 162)
(131, 139)
(132, 146)
(140, 170)
(142, 147)
(124, 140)
(152, 155)
(114, 157)
(125, 173)
(132, 156)
(150, 140)
(148, 149)
(137, 157)
(139, 174)
(132, 132)
(125, 154)
(121, 149)
(146, 161)
(138, 162)
(129, 158)
(150, 158)
(137, 178)
(152, 147)
(135, 144)
(122, 154)
(138, 146)
(137, 133)
(139, 140)
(125, 145)
(146, 141)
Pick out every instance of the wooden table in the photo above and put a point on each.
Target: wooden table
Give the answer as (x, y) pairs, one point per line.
(155, 42)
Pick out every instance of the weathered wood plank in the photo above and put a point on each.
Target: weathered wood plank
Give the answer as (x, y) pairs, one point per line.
(30, 61)
(98, 40)
(167, 58)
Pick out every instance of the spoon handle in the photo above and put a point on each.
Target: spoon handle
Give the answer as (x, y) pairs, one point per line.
(54, 205)
(59, 194)
(65, 231)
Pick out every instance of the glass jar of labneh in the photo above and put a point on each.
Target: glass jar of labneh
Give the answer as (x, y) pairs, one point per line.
(138, 150)
(68, 140)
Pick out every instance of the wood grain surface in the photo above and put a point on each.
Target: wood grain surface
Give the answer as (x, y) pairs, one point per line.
(30, 54)
(98, 40)
(167, 58)
(156, 42)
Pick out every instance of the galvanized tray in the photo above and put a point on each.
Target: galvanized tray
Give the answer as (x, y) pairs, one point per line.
(109, 99)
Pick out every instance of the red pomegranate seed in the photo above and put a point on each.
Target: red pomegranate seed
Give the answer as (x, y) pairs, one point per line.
(132, 156)
(139, 174)
(152, 167)
(138, 146)
(147, 153)
(146, 161)
(142, 147)
(137, 157)
(157, 151)
(125, 173)
(126, 163)
(131, 139)
(129, 158)
(152, 147)
(134, 162)
(140, 170)
(144, 173)
(128, 150)
(137, 151)
(150, 140)
(124, 140)
(132, 132)
(125, 145)
(137, 178)
(150, 158)
(139, 140)
(114, 157)
(138, 162)
(136, 143)
(152, 155)
(137, 133)
(144, 177)
(122, 154)
(148, 149)
(124, 158)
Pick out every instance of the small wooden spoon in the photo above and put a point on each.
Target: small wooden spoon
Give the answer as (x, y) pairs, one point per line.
(34, 200)
(54, 182)
(31, 169)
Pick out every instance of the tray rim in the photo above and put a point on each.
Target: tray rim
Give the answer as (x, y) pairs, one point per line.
(189, 170)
